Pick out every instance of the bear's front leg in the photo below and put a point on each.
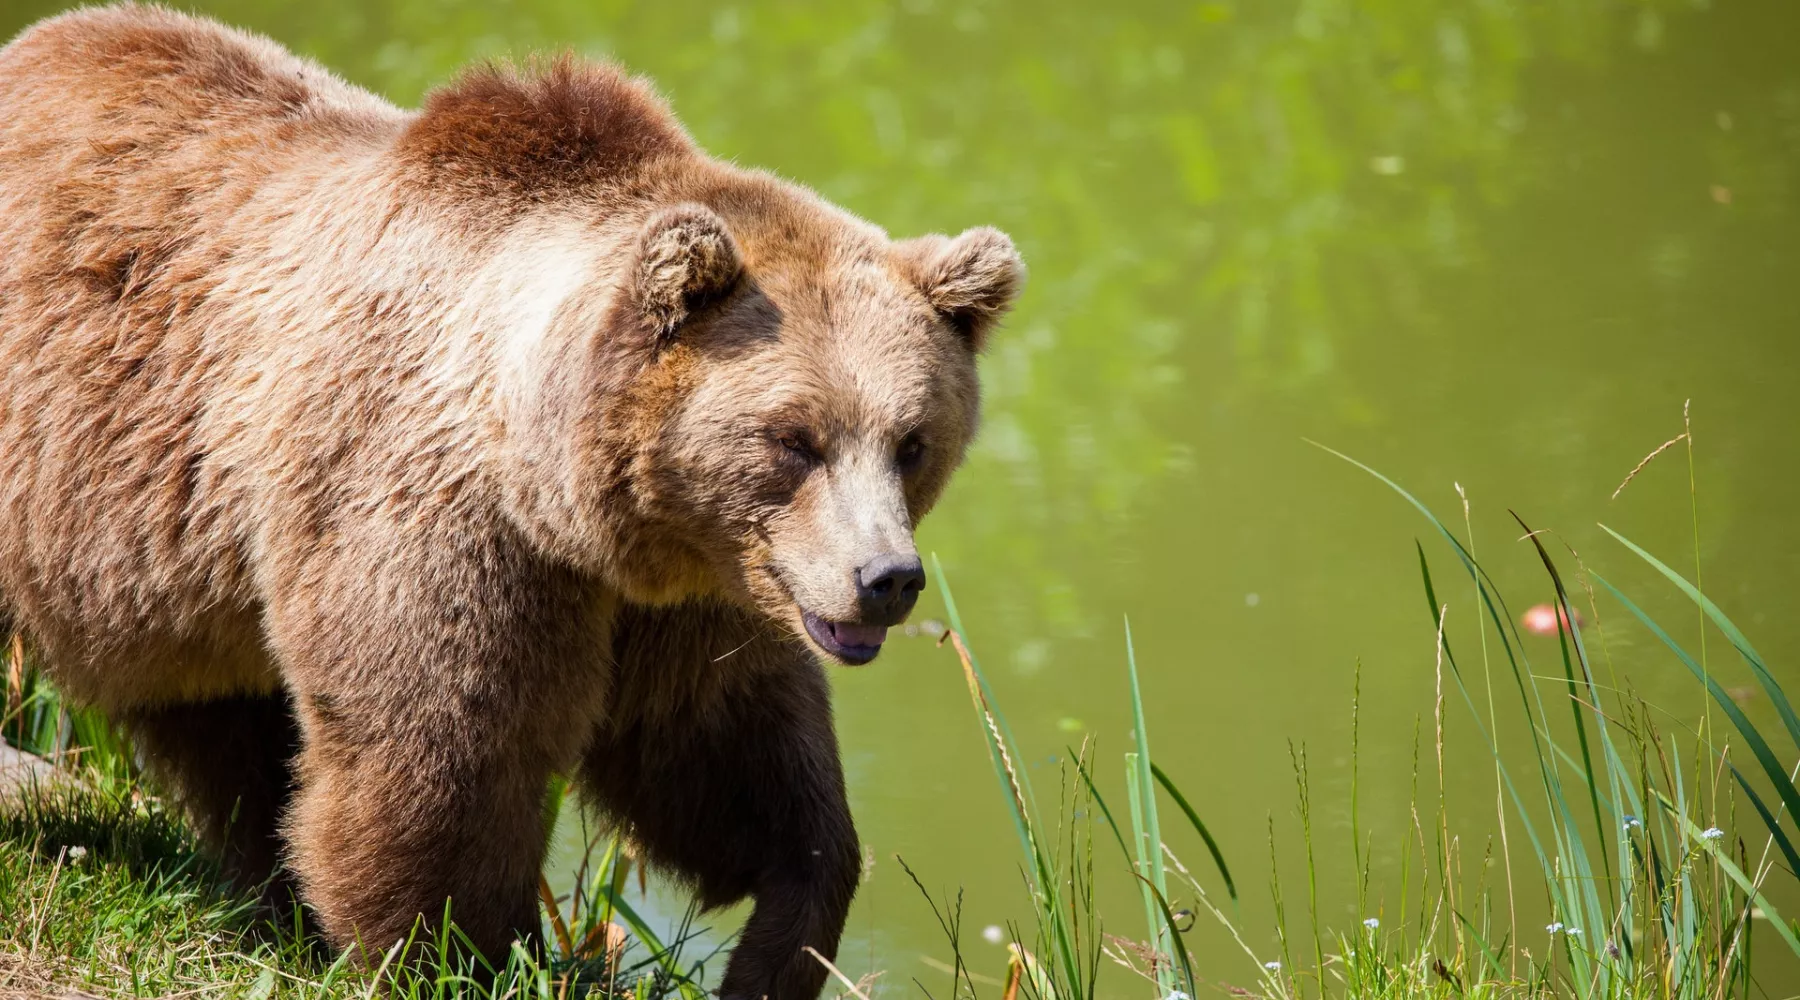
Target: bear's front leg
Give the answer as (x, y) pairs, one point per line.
(718, 752)
(438, 683)
(385, 831)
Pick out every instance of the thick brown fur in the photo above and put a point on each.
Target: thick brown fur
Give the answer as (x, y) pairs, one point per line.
(373, 465)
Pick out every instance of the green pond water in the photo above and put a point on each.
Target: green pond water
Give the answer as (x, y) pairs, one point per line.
(1489, 243)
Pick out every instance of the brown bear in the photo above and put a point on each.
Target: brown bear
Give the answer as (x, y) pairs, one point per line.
(371, 466)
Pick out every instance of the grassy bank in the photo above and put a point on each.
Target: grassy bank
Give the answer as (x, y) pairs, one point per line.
(1621, 832)
(104, 890)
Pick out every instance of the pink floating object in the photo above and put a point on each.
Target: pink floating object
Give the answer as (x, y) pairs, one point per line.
(1542, 619)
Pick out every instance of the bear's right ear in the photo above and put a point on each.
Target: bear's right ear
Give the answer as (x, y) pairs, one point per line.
(686, 259)
(971, 280)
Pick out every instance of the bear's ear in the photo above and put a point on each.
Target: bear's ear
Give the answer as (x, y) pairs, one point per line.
(972, 279)
(686, 259)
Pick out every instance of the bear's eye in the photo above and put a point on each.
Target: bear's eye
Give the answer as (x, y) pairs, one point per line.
(798, 443)
(911, 450)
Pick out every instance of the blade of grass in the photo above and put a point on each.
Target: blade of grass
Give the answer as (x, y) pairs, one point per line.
(1790, 796)
(1162, 966)
(1099, 800)
(1769, 820)
(1147, 831)
(1193, 818)
(1777, 696)
(1152, 829)
(1180, 950)
(1041, 866)
(1575, 692)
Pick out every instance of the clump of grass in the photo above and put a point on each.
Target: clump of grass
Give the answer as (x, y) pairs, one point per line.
(105, 890)
(1060, 959)
(108, 894)
(1648, 892)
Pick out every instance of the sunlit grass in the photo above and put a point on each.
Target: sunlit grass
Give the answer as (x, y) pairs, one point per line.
(1651, 891)
(105, 890)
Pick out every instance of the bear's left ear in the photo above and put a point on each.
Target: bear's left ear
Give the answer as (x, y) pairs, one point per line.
(686, 259)
(972, 279)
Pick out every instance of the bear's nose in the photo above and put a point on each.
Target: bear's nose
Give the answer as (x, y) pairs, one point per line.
(888, 586)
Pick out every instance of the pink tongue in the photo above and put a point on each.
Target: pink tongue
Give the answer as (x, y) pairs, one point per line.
(859, 635)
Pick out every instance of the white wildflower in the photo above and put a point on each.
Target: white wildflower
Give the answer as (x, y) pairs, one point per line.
(1372, 923)
(1553, 928)
(1712, 833)
(1272, 966)
(1177, 995)
(77, 853)
(993, 934)
(1576, 931)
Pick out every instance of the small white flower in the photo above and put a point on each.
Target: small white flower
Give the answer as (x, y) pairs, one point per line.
(1633, 823)
(993, 934)
(1177, 995)
(1712, 833)
(1372, 923)
(1553, 928)
(77, 853)
(1272, 966)
(1572, 930)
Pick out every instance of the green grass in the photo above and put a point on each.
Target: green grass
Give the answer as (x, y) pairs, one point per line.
(1651, 890)
(105, 890)
(1619, 829)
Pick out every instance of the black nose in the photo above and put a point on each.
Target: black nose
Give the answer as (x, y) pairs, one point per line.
(888, 587)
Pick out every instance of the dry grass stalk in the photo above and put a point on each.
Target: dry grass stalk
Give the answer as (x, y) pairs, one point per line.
(608, 938)
(40, 916)
(856, 989)
(1015, 971)
(948, 969)
(1445, 841)
(1665, 446)
(558, 926)
(993, 725)
(25, 979)
(15, 683)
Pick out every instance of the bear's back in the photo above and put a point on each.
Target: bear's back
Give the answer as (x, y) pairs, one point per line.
(149, 69)
(131, 139)
(123, 128)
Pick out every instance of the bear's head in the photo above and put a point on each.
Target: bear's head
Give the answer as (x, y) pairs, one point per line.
(713, 383)
(803, 389)
(743, 393)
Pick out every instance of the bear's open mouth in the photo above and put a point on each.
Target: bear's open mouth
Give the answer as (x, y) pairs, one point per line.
(853, 645)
